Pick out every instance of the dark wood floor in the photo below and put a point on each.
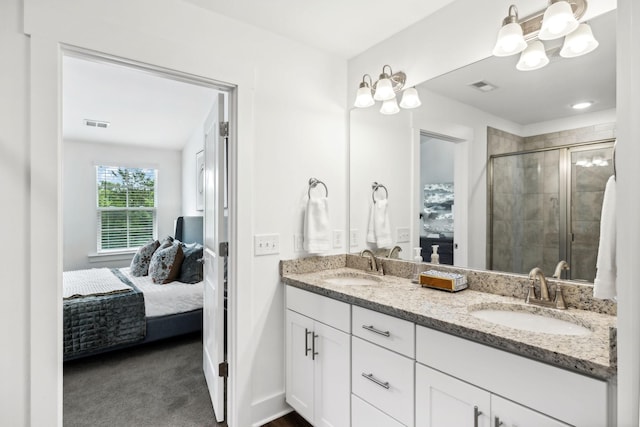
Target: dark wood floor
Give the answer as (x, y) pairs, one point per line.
(292, 419)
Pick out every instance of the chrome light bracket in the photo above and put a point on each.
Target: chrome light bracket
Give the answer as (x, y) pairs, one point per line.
(531, 24)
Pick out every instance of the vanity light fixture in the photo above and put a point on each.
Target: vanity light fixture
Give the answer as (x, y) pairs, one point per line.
(385, 89)
(560, 19)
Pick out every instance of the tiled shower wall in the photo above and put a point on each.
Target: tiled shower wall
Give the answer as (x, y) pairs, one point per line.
(526, 202)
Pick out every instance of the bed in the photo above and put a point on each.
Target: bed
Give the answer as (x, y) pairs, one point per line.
(105, 309)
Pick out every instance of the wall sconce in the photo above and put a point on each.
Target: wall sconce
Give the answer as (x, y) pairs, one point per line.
(560, 19)
(384, 89)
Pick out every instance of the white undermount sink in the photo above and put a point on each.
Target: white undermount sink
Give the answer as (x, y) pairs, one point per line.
(348, 278)
(516, 317)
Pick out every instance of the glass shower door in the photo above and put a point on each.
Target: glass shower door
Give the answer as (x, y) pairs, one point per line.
(591, 167)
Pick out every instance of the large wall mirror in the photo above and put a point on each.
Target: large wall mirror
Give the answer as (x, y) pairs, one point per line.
(459, 170)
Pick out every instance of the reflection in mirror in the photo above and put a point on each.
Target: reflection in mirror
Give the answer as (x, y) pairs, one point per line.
(532, 107)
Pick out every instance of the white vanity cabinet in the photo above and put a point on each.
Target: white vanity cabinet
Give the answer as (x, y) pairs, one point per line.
(459, 381)
(318, 358)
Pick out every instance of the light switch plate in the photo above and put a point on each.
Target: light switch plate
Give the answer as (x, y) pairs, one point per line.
(402, 235)
(353, 237)
(266, 244)
(338, 238)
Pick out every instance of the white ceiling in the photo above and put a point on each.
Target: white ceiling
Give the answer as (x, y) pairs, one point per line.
(527, 97)
(342, 27)
(144, 109)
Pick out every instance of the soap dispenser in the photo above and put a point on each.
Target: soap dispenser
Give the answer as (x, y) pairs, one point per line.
(417, 265)
(435, 258)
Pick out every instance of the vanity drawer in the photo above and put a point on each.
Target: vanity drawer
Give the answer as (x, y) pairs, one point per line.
(323, 309)
(365, 415)
(384, 379)
(390, 332)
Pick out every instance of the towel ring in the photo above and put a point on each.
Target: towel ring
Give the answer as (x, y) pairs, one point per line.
(374, 187)
(313, 182)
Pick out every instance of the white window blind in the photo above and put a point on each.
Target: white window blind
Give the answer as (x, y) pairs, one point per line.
(126, 207)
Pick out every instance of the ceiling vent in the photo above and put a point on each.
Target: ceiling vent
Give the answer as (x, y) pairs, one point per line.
(483, 86)
(96, 123)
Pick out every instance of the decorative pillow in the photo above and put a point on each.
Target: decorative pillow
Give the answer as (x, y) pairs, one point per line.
(165, 263)
(191, 269)
(142, 258)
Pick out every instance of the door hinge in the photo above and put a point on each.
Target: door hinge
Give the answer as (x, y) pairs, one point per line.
(223, 249)
(223, 370)
(224, 128)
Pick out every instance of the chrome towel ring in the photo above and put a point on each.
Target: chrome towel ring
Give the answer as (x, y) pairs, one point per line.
(374, 187)
(313, 182)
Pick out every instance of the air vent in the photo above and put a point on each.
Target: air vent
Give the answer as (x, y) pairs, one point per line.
(483, 86)
(96, 123)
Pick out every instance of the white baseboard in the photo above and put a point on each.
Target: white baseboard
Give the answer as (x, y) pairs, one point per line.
(269, 408)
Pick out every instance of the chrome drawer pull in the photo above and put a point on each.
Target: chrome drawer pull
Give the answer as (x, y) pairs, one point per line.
(497, 422)
(476, 414)
(377, 331)
(370, 377)
(314, 353)
(306, 341)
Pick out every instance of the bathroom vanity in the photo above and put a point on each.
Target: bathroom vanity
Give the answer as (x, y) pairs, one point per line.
(373, 350)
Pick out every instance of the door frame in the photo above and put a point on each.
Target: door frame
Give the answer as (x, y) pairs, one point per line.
(48, 369)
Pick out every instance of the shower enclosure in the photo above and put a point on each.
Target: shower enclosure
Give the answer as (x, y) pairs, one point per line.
(545, 205)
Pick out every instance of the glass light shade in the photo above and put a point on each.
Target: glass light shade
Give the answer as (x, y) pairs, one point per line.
(510, 40)
(579, 42)
(558, 21)
(410, 98)
(533, 57)
(384, 89)
(364, 98)
(390, 106)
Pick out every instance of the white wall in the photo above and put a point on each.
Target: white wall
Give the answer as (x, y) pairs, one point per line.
(284, 136)
(79, 196)
(436, 161)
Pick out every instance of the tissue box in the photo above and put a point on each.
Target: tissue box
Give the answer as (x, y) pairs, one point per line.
(446, 281)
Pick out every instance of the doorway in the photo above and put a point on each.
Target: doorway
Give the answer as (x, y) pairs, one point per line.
(165, 214)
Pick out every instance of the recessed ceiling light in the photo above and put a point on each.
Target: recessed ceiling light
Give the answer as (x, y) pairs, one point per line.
(582, 105)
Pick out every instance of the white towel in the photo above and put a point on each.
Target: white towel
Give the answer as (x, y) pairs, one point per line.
(316, 226)
(379, 229)
(606, 274)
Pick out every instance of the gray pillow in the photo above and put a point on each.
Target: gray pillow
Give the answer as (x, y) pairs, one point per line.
(191, 269)
(165, 263)
(142, 258)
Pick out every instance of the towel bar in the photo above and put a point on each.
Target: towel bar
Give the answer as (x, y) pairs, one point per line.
(313, 182)
(374, 187)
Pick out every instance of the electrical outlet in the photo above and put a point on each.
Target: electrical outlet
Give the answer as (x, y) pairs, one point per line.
(338, 237)
(402, 235)
(297, 243)
(266, 244)
(353, 237)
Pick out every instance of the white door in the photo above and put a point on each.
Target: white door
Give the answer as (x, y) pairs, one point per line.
(299, 364)
(508, 414)
(213, 329)
(444, 401)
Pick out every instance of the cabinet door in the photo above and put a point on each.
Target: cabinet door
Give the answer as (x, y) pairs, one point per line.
(509, 414)
(365, 415)
(444, 401)
(332, 373)
(299, 364)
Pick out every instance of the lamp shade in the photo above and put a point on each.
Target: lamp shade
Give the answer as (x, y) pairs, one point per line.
(533, 57)
(579, 42)
(364, 98)
(510, 40)
(390, 106)
(558, 21)
(410, 98)
(384, 89)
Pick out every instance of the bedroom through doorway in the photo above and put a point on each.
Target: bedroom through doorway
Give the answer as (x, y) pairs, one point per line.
(144, 194)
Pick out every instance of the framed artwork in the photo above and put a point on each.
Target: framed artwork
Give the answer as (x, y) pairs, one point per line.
(200, 180)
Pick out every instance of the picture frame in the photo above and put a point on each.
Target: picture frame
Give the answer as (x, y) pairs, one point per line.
(200, 180)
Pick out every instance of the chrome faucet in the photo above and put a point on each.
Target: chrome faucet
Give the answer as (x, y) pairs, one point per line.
(562, 265)
(374, 263)
(393, 250)
(558, 302)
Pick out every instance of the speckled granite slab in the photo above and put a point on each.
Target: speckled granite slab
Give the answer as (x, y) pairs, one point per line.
(593, 355)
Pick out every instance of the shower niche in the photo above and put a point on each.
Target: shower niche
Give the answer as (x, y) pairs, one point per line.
(544, 204)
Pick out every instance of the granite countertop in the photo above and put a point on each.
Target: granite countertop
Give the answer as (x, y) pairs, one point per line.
(593, 354)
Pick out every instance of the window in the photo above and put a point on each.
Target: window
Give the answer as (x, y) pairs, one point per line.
(126, 205)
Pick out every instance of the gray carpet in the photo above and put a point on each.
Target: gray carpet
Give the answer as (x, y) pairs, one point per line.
(156, 385)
